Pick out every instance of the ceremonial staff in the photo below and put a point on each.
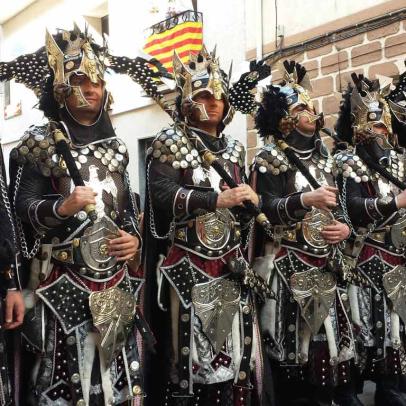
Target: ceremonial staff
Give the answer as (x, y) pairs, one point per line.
(62, 148)
(211, 159)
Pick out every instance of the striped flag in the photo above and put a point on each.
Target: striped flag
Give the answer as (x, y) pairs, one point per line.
(182, 33)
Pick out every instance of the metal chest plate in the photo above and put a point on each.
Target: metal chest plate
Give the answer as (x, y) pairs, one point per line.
(94, 245)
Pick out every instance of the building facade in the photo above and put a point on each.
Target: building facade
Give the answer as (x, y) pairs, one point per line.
(331, 39)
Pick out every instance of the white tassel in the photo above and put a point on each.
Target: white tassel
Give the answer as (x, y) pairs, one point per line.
(272, 306)
(195, 356)
(255, 342)
(395, 329)
(236, 337)
(159, 277)
(305, 343)
(354, 304)
(174, 320)
(328, 325)
(106, 382)
(29, 299)
(89, 348)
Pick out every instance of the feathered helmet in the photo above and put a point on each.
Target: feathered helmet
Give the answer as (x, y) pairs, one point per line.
(201, 74)
(364, 106)
(72, 52)
(274, 115)
(397, 104)
(369, 108)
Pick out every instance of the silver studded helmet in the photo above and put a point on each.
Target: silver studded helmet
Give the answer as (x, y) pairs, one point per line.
(369, 108)
(49, 69)
(201, 74)
(74, 53)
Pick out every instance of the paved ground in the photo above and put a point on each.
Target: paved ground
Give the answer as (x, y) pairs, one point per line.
(367, 398)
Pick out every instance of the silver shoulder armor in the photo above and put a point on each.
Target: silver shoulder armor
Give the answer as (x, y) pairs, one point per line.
(235, 152)
(349, 165)
(37, 147)
(173, 147)
(271, 159)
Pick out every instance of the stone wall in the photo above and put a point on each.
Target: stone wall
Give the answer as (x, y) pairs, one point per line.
(377, 52)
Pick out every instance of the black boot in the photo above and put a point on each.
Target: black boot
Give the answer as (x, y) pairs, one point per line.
(388, 392)
(345, 395)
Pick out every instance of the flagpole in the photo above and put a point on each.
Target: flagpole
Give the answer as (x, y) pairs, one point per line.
(194, 4)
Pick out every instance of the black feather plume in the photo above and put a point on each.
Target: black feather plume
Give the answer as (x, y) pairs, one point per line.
(139, 69)
(273, 108)
(398, 95)
(300, 72)
(343, 126)
(289, 66)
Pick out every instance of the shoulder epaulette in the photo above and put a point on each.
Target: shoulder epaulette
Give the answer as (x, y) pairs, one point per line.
(37, 147)
(270, 158)
(173, 147)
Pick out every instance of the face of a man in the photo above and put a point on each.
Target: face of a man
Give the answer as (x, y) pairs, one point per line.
(93, 93)
(304, 124)
(214, 109)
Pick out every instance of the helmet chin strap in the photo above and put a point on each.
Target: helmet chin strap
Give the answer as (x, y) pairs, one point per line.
(102, 108)
(304, 134)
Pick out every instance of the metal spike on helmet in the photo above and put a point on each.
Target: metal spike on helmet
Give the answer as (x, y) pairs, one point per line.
(296, 85)
(369, 106)
(201, 74)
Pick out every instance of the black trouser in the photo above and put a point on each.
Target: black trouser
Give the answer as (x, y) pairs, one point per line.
(224, 394)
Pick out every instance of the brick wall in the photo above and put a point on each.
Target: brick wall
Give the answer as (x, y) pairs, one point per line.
(378, 52)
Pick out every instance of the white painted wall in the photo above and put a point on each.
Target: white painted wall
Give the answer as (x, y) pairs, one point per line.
(299, 15)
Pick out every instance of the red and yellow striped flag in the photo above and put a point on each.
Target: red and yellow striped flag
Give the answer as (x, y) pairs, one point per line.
(184, 38)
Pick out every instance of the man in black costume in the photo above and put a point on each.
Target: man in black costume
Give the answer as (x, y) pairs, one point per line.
(12, 303)
(305, 328)
(78, 224)
(370, 174)
(205, 327)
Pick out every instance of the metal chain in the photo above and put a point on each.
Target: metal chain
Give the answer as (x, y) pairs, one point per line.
(23, 242)
(342, 198)
(249, 235)
(152, 217)
(132, 198)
